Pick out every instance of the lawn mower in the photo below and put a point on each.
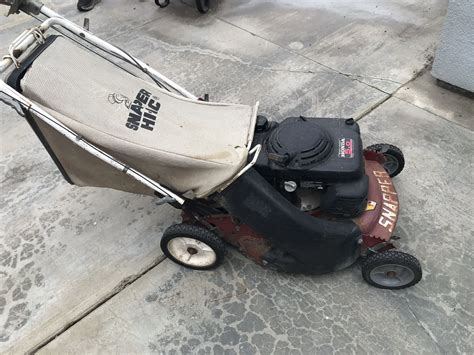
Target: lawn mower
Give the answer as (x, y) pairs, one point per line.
(299, 196)
(202, 5)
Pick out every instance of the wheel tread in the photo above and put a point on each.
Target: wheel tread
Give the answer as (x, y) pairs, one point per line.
(386, 148)
(202, 6)
(196, 232)
(390, 257)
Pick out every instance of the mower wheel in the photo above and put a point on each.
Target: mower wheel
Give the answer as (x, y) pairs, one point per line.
(391, 270)
(395, 161)
(203, 6)
(162, 3)
(193, 246)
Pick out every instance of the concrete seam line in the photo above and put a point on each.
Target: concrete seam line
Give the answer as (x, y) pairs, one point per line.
(372, 108)
(419, 73)
(347, 75)
(122, 285)
(427, 66)
(424, 328)
(433, 113)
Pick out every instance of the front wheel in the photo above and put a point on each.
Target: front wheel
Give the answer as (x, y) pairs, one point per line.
(394, 159)
(391, 270)
(193, 246)
(203, 6)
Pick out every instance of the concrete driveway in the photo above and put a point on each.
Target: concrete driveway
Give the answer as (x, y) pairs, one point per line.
(81, 270)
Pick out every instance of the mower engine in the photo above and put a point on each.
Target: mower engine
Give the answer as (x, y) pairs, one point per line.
(315, 163)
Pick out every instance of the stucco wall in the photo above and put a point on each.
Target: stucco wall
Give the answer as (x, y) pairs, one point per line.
(454, 60)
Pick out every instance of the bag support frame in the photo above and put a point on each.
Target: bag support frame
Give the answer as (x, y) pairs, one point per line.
(36, 35)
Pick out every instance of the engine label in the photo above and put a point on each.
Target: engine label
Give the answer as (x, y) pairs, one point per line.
(346, 148)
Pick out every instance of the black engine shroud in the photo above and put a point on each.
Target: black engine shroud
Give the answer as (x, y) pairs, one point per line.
(315, 153)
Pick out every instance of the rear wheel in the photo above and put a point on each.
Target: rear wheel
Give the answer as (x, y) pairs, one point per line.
(193, 246)
(394, 159)
(86, 5)
(203, 6)
(392, 270)
(162, 3)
